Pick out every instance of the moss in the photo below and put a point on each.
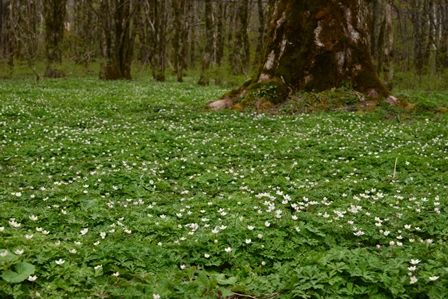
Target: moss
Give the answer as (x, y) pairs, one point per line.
(272, 91)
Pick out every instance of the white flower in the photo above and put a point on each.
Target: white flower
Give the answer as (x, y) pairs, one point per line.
(432, 278)
(102, 235)
(182, 267)
(98, 267)
(206, 255)
(429, 241)
(413, 280)
(155, 296)
(4, 253)
(2, 228)
(412, 268)
(60, 261)
(32, 278)
(116, 274)
(78, 243)
(294, 217)
(33, 218)
(228, 249)
(260, 236)
(29, 236)
(72, 251)
(391, 243)
(84, 231)
(45, 232)
(415, 262)
(250, 227)
(407, 226)
(263, 263)
(19, 251)
(96, 243)
(267, 223)
(15, 224)
(160, 244)
(359, 233)
(248, 241)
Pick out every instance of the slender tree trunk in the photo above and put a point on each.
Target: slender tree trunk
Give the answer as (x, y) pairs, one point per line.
(2, 35)
(388, 69)
(179, 37)
(240, 54)
(208, 48)
(119, 22)
(220, 32)
(54, 13)
(158, 24)
(442, 49)
(314, 45)
(261, 32)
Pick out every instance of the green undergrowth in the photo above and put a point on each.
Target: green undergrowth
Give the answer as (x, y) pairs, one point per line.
(410, 103)
(130, 189)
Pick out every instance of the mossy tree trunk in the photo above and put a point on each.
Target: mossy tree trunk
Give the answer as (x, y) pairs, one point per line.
(54, 14)
(316, 45)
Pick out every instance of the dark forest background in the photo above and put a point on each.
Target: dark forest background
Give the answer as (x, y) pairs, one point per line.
(216, 42)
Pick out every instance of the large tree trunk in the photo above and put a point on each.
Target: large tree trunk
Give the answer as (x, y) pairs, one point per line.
(315, 45)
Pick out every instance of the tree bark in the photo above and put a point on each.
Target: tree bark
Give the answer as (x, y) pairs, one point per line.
(180, 37)
(240, 53)
(54, 13)
(118, 19)
(1, 30)
(220, 32)
(316, 45)
(261, 32)
(208, 48)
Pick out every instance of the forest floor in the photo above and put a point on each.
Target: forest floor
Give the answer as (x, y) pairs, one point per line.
(133, 190)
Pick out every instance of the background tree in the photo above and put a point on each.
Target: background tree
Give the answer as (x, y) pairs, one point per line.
(208, 47)
(54, 14)
(180, 36)
(239, 57)
(408, 38)
(118, 21)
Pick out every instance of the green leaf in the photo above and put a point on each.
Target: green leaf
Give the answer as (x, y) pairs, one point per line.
(9, 257)
(203, 278)
(222, 280)
(23, 270)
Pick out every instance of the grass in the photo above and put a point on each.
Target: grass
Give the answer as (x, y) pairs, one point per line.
(133, 190)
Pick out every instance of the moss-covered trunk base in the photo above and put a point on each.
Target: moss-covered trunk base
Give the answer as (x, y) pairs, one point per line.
(312, 46)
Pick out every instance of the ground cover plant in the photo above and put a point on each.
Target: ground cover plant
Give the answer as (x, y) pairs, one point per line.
(134, 190)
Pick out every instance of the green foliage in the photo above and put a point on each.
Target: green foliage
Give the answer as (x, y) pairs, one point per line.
(21, 272)
(131, 190)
